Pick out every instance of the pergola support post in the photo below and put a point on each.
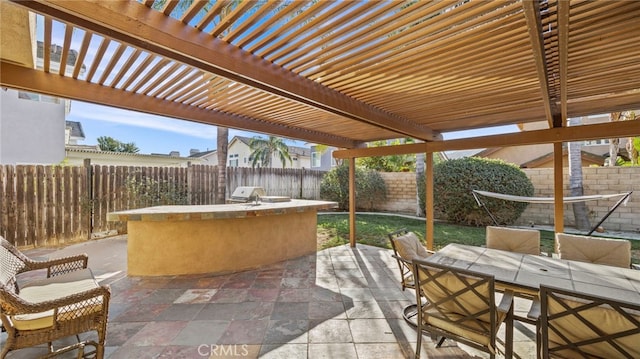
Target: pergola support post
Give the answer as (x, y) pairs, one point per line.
(352, 202)
(428, 200)
(558, 187)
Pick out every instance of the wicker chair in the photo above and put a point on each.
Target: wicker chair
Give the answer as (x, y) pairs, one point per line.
(67, 302)
(575, 325)
(461, 306)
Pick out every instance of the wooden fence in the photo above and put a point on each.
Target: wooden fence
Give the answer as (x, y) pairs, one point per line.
(50, 205)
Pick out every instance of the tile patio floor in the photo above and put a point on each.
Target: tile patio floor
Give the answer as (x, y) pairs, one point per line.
(338, 303)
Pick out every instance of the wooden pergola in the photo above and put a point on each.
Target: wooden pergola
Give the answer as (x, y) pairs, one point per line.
(343, 73)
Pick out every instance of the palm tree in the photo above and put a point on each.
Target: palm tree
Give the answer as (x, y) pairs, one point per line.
(263, 150)
(614, 143)
(580, 212)
(420, 170)
(107, 143)
(222, 146)
(128, 147)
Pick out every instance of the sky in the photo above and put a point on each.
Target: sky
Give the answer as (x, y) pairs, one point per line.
(156, 134)
(150, 133)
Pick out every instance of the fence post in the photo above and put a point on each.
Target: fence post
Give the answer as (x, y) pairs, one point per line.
(89, 169)
(189, 181)
(301, 181)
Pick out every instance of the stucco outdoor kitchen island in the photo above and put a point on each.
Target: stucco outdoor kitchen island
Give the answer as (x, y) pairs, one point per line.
(174, 240)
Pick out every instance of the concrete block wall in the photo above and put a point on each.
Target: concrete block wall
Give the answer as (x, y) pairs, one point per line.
(401, 193)
(595, 180)
(401, 196)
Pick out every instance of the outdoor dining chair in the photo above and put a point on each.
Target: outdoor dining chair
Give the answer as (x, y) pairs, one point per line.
(575, 325)
(516, 240)
(613, 252)
(461, 306)
(406, 246)
(66, 303)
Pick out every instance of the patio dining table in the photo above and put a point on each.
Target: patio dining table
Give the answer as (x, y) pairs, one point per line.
(526, 272)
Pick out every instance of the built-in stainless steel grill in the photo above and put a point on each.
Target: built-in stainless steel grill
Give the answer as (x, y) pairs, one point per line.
(254, 194)
(246, 194)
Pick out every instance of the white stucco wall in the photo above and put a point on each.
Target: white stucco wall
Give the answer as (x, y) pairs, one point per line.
(31, 132)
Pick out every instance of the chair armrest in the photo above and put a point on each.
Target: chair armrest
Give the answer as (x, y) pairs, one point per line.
(58, 266)
(635, 266)
(17, 305)
(506, 303)
(402, 260)
(535, 310)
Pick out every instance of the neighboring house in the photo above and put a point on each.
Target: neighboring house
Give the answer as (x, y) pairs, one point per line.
(76, 155)
(239, 155)
(73, 133)
(537, 156)
(594, 152)
(32, 126)
(322, 158)
(209, 158)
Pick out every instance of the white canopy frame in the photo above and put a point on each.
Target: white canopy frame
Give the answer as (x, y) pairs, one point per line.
(550, 200)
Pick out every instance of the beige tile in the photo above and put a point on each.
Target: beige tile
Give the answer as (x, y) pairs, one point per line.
(332, 351)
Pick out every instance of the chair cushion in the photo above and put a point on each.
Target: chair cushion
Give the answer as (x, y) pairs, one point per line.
(409, 247)
(452, 316)
(54, 288)
(613, 252)
(473, 302)
(474, 330)
(517, 240)
(605, 319)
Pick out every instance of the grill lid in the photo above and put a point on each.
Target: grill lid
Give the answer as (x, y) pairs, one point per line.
(247, 194)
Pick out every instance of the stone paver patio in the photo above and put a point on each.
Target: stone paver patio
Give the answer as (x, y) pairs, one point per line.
(337, 303)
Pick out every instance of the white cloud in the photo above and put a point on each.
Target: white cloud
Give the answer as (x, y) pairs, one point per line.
(131, 118)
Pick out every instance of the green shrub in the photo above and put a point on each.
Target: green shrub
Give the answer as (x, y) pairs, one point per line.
(370, 187)
(454, 180)
(148, 192)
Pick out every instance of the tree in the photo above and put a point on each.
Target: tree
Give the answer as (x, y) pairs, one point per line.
(633, 143)
(129, 147)
(391, 163)
(263, 150)
(580, 213)
(454, 180)
(420, 172)
(107, 143)
(614, 143)
(222, 147)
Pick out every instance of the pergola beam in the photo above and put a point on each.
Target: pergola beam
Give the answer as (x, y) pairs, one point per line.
(136, 24)
(563, 55)
(553, 135)
(534, 24)
(26, 79)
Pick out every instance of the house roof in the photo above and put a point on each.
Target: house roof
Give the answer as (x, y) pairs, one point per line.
(462, 153)
(202, 154)
(96, 149)
(586, 156)
(76, 129)
(342, 73)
